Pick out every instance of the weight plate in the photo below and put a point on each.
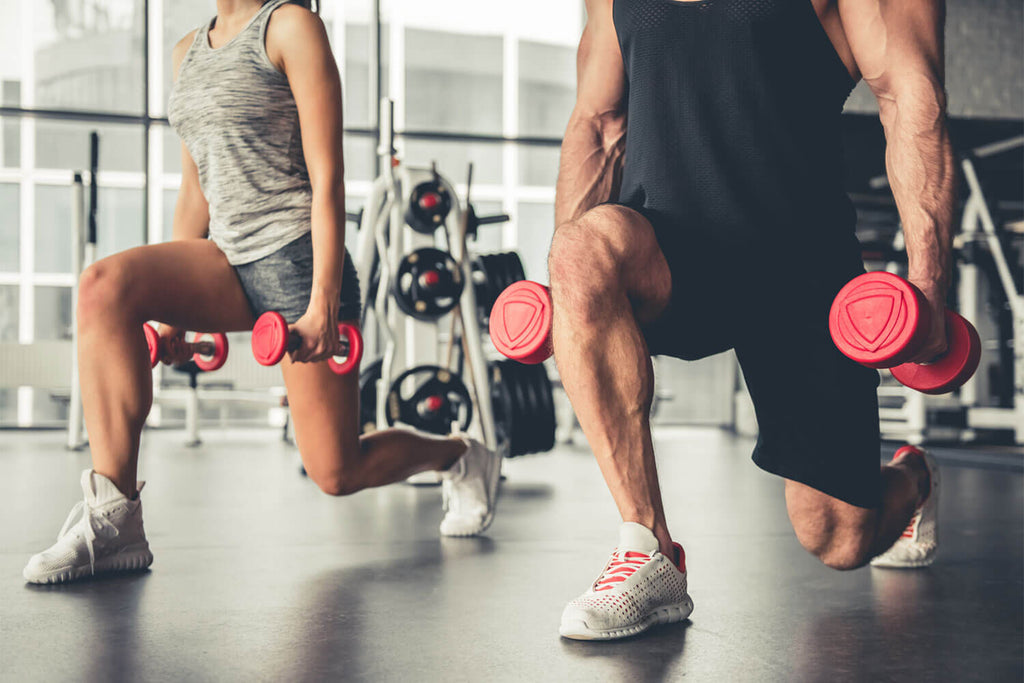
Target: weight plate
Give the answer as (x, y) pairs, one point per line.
(427, 284)
(432, 400)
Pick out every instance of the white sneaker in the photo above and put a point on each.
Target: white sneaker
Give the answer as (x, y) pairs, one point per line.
(107, 537)
(920, 540)
(638, 588)
(470, 491)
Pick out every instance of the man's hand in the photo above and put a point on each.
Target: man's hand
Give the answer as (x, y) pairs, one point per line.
(936, 343)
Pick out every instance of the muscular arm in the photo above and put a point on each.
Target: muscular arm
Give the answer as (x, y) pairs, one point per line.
(191, 211)
(594, 144)
(297, 43)
(898, 45)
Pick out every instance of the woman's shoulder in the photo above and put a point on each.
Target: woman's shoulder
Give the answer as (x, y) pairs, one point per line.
(181, 49)
(291, 26)
(290, 17)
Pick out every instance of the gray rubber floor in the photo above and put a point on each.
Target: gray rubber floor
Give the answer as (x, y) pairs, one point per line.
(258, 576)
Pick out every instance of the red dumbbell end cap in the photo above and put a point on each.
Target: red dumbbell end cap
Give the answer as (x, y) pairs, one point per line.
(520, 322)
(153, 343)
(355, 350)
(878, 319)
(269, 338)
(220, 352)
(956, 366)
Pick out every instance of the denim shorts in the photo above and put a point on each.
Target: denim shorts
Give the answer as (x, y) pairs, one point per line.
(283, 280)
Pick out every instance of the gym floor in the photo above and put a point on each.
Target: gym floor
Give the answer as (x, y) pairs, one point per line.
(258, 576)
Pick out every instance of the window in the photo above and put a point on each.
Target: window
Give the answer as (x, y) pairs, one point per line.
(87, 55)
(9, 222)
(453, 67)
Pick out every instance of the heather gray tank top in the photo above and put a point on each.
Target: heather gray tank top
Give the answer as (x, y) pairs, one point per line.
(236, 115)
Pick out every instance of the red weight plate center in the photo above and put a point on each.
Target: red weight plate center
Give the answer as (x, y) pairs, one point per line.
(430, 278)
(429, 200)
(433, 403)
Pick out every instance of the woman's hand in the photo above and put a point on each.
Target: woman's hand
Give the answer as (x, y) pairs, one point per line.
(318, 330)
(173, 350)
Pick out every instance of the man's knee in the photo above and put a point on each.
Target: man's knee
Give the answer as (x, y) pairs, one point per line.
(840, 549)
(587, 254)
(837, 533)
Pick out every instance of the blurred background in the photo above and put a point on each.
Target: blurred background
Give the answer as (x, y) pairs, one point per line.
(487, 82)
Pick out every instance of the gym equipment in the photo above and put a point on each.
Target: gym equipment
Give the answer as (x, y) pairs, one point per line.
(524, 406)
(493, 274)
(209, 350)
(991, 280)
(271, 339)
(428, 284)
(520, 322)
(881, 320)
(430, 398)
(368, 378)
(429, 204)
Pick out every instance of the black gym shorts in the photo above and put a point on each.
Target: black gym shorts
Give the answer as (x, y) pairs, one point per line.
(817, 411)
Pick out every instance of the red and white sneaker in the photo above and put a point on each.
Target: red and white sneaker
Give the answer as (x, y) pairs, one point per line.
(920, 540)
(638, 588)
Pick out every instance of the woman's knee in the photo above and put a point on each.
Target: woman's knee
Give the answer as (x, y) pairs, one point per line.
(103, 288)
(336, 473)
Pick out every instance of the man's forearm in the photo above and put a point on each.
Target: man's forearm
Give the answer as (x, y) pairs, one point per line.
(591, 165)
(919, 161)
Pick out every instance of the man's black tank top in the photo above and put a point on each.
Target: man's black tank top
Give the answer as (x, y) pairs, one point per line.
(733, 132)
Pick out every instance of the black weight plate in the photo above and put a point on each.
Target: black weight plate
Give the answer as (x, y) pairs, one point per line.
(432, 381)
(426, 221)
(421, 301)
(545, 409)
(368, 396)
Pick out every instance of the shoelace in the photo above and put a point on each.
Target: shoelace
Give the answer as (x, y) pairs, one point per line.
(89, 515)
(622, 566)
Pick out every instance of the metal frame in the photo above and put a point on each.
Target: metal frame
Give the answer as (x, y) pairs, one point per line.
(977, 225)
(384, 238)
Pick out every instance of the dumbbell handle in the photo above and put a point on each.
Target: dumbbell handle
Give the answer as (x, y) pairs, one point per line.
(295, 341)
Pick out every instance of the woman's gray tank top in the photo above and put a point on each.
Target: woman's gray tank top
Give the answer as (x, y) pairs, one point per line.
(236, 115)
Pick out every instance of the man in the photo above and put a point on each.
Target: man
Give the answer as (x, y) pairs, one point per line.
(700, 207)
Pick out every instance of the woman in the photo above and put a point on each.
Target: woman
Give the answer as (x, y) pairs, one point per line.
(257, 104)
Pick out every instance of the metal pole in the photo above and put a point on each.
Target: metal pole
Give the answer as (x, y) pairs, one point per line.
(75, 439)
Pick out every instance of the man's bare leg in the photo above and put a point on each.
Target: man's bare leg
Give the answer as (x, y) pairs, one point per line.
(844, 536)
(608, 275)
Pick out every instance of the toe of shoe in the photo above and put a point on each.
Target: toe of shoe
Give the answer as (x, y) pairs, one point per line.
(462, 525)
(37, 570)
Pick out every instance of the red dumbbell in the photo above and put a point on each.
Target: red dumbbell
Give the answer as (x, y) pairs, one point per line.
(520, 322)
(271, 339)
(880, 320)
(209, 350)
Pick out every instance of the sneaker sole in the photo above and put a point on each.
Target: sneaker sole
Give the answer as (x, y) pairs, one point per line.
(131, 561)
(493, 481)
(890, 564)
(578, 630)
